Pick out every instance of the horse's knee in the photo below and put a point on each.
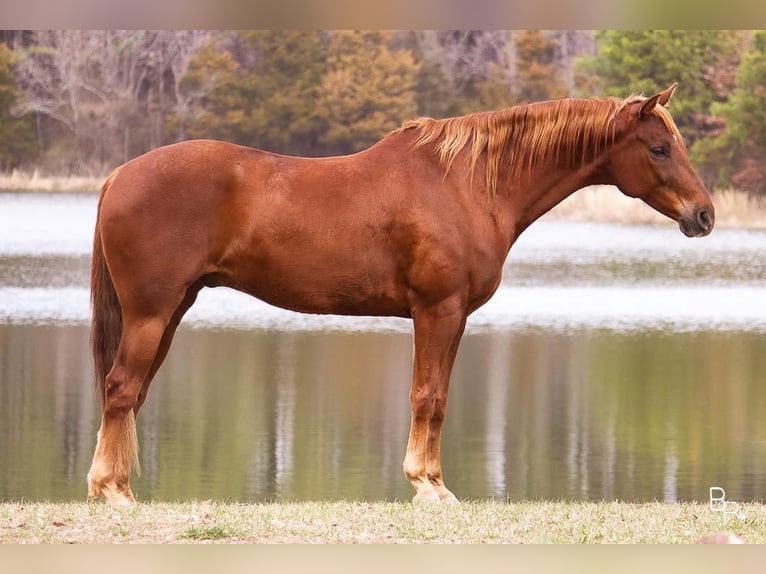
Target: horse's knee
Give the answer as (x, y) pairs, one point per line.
(429, 406)
(422, 403)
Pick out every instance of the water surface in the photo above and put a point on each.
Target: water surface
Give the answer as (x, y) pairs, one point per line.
(615, 362)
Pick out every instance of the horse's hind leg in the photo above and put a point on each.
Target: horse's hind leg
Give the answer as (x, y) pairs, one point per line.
(117, 446)
(167, 339)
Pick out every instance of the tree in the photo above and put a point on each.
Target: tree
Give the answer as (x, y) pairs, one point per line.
(173, 51)
(535, 65)
(644, 61)
(571, 45)
(17, 136)
(432, 91)
(465, 70)
(367, 90)
(102, 94)
(262, 88)
(738, 152)
(468, 56)
(207, 90)
(285, 83)
(528, 72)
(53, 72)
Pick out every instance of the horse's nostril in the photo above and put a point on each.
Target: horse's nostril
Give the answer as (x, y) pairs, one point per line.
(704, 218)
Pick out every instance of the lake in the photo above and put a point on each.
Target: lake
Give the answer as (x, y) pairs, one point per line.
(614, 362)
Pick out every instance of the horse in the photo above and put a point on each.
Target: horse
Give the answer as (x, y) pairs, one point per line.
(417, 226)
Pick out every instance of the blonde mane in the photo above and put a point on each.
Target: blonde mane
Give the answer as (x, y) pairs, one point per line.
(572, 131)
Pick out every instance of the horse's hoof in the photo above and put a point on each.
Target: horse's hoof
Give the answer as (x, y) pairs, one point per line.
(449, 498)
(427, 498)
(123, 502)
(110, 495)
(116, 501)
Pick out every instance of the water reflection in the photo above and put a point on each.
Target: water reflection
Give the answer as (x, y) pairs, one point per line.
(47, 412)
(272, 415)
(615, 362)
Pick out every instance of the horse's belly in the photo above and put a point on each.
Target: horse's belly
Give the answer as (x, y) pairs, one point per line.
(331, 288)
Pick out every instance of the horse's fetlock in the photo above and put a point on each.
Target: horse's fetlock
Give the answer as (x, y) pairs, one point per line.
(413, 471)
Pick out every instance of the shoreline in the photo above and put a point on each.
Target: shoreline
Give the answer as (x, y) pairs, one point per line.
(595, 204)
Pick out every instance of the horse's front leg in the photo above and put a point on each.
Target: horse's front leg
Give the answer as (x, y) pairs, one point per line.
(438, 330)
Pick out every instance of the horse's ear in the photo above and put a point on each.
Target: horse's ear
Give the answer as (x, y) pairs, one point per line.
(662, 98)
(666, 94)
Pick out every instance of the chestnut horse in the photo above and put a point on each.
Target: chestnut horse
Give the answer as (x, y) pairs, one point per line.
(418, 225)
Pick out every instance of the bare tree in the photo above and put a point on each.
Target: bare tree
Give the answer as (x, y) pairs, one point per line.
(176, 49)
(52, 73)
(571, 45)
(110, 90)
(468, 55)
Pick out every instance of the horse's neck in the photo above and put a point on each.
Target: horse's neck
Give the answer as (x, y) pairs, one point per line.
(543, 190)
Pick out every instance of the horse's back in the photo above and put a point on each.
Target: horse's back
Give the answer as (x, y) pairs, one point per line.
(211, 171)
(189, 167)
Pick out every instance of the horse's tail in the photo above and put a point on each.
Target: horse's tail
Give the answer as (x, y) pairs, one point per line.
(106, 319)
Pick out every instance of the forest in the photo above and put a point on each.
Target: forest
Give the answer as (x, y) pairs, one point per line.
(80, 102)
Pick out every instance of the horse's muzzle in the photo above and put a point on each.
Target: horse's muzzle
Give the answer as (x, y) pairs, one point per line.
(698, 224)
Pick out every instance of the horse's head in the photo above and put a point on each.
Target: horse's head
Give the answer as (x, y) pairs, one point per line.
(649, 161)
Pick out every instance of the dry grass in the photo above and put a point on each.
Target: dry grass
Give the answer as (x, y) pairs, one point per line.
(739, 209)
(23, 181)
(365, 523)
(605, 204)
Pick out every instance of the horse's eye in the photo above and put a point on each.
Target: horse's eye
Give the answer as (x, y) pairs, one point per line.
(659, 151)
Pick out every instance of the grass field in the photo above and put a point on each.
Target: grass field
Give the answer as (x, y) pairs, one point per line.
(375, 523)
